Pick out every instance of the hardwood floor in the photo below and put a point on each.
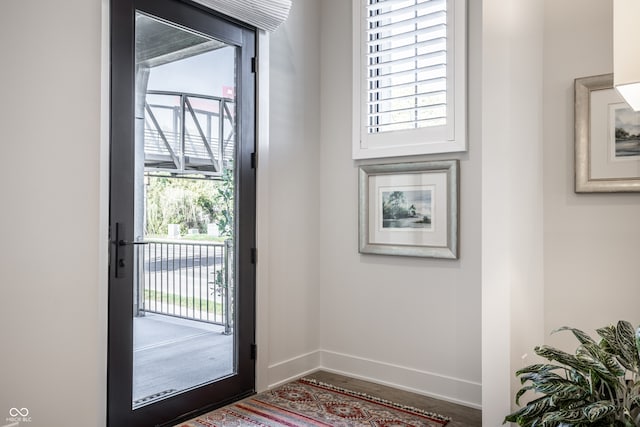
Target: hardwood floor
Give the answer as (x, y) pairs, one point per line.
(461, 416)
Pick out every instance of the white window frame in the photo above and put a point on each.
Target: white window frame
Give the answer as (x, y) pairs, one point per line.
(443, 139)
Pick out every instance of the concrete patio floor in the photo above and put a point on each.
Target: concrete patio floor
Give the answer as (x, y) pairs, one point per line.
(172, 355)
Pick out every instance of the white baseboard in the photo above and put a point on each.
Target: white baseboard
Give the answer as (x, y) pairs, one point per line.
(294, 368)
(429, 384)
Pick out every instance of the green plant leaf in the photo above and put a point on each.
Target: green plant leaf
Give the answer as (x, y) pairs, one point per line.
(570, 397)
(608, 333)
(623, 361)
(578, 377)
(635, 400)
(560, 385)
(571, 417)
(606, 363)
(540, 377)
(626, 338)
(610, 344)
(560, 356)
(521, 392)
(638, 341)
(530, 412)
(599, 410)
(599, 368)
(538, 368)
(580, 335)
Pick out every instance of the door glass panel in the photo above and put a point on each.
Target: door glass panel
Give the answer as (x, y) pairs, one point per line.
(185, 130)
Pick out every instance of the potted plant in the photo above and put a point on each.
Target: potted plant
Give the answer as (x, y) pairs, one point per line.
(599, 385)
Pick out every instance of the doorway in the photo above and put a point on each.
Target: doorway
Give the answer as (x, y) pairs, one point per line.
(182, 212)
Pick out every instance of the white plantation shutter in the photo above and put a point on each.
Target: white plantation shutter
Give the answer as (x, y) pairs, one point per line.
(408, 77)
(263, 14)
(406, 64)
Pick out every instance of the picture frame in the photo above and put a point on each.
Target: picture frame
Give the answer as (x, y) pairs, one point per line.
(607, 138)
(409, 209)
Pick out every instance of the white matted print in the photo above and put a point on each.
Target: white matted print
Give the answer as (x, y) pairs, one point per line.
(624, 133)
(406, 209)
(409, 209)
(607, 159)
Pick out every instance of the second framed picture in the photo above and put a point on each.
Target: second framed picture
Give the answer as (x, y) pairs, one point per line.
(409, 209)
(607, 138)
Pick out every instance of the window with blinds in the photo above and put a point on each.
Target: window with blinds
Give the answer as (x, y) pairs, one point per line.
(408, 77)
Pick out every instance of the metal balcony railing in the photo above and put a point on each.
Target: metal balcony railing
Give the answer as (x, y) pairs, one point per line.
(188, 133)
(187, 280)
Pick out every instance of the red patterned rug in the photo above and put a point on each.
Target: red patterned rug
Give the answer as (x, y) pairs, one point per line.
(309, 403)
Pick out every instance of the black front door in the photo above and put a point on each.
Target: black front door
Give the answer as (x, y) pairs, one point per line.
(182, 212)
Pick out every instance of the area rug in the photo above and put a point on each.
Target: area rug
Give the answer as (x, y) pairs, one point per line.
(310, 403)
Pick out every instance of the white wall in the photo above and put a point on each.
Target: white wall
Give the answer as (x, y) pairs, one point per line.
(52, 261)
(512, 169)
(591, 241)
(410, 322)
(294, 194)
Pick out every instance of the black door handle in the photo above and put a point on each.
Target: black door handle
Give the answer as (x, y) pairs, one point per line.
(118, 243)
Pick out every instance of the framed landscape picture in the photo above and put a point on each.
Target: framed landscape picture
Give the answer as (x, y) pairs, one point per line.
(409, 209)
(607, 138)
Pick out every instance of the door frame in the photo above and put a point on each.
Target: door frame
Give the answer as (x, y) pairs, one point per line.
(120, 292)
